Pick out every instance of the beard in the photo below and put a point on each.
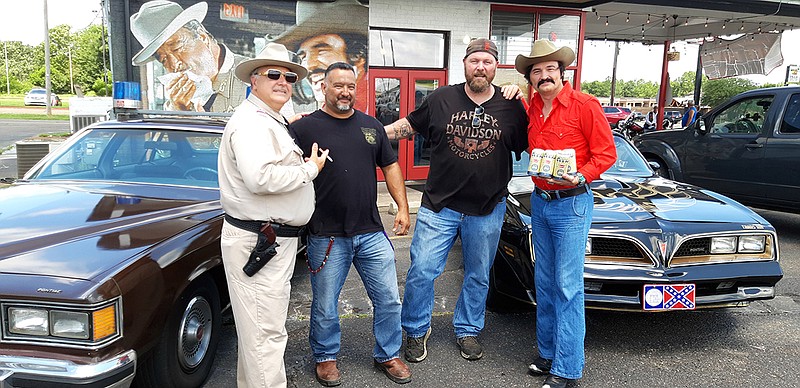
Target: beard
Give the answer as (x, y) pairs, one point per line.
(343, 107)
(478, 84)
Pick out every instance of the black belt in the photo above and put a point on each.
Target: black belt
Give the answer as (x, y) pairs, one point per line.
(281, 230)
(549, 195)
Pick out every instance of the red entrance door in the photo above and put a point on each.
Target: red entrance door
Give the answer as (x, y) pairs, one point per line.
(395, 93)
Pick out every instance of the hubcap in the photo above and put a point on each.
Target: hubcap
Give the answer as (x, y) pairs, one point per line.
(195, 333)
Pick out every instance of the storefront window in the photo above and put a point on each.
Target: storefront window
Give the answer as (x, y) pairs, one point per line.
(562, 30)
(513, 34)
(515, 30)
(395, 48)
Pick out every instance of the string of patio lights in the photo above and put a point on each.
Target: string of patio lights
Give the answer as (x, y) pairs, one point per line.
(653, 21)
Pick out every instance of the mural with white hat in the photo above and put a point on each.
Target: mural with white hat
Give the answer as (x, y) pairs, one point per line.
(186, 50)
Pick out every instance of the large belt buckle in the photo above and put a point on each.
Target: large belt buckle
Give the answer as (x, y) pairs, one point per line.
(545, 195)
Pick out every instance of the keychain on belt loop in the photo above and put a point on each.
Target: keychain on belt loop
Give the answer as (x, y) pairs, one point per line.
(325, 260)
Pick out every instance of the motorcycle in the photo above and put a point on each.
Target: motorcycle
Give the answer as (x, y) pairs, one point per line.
(629, 128)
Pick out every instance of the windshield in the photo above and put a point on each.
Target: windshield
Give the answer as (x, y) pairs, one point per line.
(136, 155)
(629, 162)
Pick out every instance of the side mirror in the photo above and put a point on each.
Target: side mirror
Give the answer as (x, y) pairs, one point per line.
(700, 126)
(654, 165)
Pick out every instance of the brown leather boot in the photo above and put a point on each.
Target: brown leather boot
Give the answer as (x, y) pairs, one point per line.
(328, 374)
(396, 370)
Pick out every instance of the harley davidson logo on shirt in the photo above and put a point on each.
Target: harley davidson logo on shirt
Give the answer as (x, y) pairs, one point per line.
(472, 142)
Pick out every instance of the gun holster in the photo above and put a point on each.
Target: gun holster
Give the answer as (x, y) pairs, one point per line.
(265, 249)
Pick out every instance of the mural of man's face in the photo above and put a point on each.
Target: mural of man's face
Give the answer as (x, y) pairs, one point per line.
(188, 51)
(318, 52)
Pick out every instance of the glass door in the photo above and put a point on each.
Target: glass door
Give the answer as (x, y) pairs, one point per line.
(395, 93)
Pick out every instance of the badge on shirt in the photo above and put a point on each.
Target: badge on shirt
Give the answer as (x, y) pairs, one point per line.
(369, 135)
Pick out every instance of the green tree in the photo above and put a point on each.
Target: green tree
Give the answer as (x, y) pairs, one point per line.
(597, 88)
(22, 61)
(684, 85)
(87, 56)
(717, 91)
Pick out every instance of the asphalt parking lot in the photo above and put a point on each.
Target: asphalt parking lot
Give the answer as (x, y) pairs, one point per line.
(742, 347)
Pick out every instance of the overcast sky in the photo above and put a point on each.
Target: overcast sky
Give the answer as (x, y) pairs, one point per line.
(26, 23)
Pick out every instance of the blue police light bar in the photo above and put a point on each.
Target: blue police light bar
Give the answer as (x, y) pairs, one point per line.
(127, 95)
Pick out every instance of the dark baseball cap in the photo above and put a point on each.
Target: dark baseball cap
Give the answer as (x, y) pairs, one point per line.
(482, 45)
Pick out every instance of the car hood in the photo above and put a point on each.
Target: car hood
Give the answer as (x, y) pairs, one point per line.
(620, 199)
(79, 231)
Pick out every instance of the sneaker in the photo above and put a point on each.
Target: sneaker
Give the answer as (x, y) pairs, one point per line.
(540, 367)
(417, 348)
(470, 347)
(553, 381)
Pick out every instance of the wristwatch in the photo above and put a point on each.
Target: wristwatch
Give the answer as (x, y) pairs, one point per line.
(581, 179)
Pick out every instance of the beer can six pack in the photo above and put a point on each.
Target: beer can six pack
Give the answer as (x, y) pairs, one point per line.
(552, 163)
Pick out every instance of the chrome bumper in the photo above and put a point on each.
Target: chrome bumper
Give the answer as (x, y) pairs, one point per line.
(116, 372)
(741, 298)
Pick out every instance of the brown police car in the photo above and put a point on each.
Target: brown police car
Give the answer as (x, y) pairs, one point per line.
(110, 264)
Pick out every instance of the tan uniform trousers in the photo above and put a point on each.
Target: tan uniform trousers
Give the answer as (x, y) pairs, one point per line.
(260, 305)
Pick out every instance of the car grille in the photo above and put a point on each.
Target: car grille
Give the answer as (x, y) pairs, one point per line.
(616, 250)
(698, 246)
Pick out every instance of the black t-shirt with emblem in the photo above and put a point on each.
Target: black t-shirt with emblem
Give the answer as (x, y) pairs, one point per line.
(470, 164)
(346, 189)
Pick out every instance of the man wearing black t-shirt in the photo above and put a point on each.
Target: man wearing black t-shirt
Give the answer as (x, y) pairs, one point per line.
(473, 131)
(346, 228)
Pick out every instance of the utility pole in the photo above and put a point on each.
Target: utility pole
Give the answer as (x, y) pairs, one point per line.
(47, 61)
(71, 79)
(614, 73)
(8, 80)
(103, 26)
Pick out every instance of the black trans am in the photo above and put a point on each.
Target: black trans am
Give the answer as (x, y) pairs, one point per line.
(654, 245)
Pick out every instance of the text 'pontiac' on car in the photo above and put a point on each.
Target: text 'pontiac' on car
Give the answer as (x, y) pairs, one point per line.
(110, 263)
(654, 245)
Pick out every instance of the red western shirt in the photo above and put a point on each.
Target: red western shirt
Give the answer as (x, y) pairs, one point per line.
(576, 121)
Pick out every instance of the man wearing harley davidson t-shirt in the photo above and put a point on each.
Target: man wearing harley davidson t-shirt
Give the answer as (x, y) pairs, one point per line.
(473, 130)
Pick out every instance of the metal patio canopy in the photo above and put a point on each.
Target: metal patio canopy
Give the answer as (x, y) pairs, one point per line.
(662, 22)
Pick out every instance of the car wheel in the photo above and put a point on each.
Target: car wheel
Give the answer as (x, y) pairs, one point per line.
(185, 352)
(662, 170)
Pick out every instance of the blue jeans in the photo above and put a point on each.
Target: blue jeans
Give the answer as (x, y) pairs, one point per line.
(560, 229)
(434, 235)
(373, 257)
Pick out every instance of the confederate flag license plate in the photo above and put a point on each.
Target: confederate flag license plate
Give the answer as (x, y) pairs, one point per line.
(668, 297)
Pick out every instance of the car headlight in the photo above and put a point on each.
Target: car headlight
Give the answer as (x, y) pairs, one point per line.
(739, 244)
(69, 324)
(752, 244)
(63, 324)
(725, 244)
(27, 321)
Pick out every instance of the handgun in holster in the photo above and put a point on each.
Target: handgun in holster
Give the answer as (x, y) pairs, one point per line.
(265, 249)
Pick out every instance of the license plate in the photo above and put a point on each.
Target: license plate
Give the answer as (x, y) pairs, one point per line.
(669, 297)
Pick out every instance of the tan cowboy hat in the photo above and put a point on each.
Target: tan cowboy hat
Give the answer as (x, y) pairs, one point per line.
(317, 18)
(544, 50)
(272, 54)
(157, 20)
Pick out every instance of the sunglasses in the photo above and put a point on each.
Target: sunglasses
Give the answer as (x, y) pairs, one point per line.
(276, 75)
(477, 117)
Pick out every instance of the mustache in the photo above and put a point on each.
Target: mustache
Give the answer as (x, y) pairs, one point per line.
(543, 80)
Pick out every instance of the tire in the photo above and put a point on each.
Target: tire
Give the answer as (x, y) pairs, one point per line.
(187, 347)
(663, 170)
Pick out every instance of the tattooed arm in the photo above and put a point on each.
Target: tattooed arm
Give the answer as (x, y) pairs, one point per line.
(399, 129)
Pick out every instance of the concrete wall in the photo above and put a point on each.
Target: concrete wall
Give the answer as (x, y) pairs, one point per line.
(459, 18)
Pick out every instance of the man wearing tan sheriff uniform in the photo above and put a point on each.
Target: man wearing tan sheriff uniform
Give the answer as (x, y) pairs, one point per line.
(263, 178)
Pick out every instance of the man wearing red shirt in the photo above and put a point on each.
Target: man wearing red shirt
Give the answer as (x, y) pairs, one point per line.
(560, 118)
